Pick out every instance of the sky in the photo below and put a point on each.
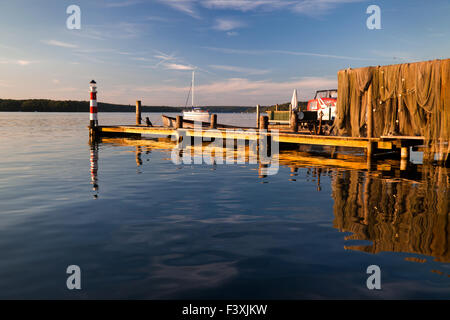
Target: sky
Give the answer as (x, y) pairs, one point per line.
(244, 52)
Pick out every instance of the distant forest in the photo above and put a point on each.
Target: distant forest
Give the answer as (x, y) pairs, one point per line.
(42, 105)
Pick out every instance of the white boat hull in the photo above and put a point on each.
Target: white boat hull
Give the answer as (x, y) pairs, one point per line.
(197, 116)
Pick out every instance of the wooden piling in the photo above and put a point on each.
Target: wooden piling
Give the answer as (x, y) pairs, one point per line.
(294, 122)
(369, 115)
(138, 113)
(93, 136)
(179, 122)
(403, 165)
(404, 153)
(264, 123)
(258, 114)
(320, 123)
(213, 123)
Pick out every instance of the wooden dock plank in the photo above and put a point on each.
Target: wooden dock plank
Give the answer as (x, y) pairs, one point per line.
(385, 142)
(250, 134)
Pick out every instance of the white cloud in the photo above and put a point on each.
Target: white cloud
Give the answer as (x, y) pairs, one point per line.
(250, 71)
(24, 62)
(246, 5)
(122, 4)
(143, 59)
(164, 56)
(118, 30)
(185, 6)
(57, 43)
(308, 7)
(241, 91)
(175, 66)
(319, 7)
(286, 52)
(18, 62)
(170, 62)
(227, 24)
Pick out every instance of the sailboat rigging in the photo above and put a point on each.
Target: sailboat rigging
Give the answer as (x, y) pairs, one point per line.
(196, 113)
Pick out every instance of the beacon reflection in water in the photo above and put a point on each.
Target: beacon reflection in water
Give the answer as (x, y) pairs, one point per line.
(94, 168)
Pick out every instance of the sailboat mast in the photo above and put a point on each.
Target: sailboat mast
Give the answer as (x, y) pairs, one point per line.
(193, 79)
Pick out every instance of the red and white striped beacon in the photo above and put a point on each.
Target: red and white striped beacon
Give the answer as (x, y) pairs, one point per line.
(93, 104)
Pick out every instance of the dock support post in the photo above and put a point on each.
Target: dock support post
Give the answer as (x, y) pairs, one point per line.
(264, 123)
(179, 122)
(93, 135)
(369, 149)
(258, 114)
(138, 113)
(369, 113)
(294, 122)
(369, 116)
(213, 124)
(403, 164)
(404, 153)
(404, 158)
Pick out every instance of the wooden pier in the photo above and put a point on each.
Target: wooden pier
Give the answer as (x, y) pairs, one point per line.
(373, 147)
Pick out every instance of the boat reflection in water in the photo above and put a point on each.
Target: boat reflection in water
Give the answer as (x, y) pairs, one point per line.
(396, 210)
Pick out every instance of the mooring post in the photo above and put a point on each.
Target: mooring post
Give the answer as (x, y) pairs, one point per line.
(404, 153)
(294, 122)
(179, 122)
(320, 123)
(258, 114)
(138, 112)
(403, 164)
(213, 124)
(264, 123)
(369, 115)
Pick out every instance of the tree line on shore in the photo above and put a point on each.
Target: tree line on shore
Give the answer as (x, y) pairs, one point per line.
(44, 105)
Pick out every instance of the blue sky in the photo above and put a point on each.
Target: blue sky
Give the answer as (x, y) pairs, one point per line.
(244, 52)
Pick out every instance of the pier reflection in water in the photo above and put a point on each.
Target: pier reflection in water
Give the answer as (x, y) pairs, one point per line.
(397, 215)
(396, 208)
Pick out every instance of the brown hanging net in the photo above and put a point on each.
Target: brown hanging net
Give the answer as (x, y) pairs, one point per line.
(407, 100)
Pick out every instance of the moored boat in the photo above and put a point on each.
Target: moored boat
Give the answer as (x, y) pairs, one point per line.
(197, 114)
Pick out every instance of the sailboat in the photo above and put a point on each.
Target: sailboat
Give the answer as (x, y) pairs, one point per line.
(196, 113)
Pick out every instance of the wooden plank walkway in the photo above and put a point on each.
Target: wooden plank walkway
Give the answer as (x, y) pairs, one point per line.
(383, 143)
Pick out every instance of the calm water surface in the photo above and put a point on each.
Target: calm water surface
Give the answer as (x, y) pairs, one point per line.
(143, 227)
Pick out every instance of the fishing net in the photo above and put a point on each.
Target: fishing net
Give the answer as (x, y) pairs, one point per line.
(407, 100)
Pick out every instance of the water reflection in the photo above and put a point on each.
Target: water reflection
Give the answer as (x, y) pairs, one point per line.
(94, 168)
(395, 214)
(397, 208)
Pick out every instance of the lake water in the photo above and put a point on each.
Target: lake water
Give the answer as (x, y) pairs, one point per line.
(140, 226)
